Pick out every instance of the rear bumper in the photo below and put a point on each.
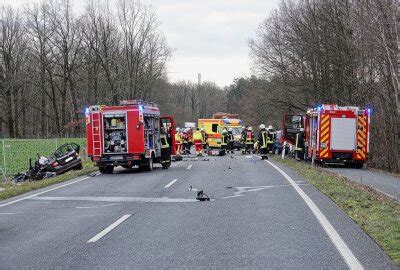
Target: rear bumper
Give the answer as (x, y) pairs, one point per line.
(61, 169)
(121, 160)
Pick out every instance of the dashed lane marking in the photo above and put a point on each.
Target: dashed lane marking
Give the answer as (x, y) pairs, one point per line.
(170, 183)
(108, 229)
(340, 245)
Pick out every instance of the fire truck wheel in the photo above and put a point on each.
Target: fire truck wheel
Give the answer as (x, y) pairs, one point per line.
(358, 165)
(149, 165)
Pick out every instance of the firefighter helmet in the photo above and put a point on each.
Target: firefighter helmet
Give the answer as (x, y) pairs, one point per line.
(230, 129)
(250, 128)
(178, 129)
(270, 127)
(262, 126)
(202, 129)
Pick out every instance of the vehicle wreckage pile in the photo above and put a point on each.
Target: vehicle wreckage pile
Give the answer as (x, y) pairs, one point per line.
(64, 159)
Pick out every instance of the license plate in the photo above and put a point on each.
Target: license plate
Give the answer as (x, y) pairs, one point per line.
(69, 159)
(215, 152)
(116, 158)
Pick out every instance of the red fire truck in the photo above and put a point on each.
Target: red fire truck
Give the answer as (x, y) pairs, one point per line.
(332, 134)
(127, 135)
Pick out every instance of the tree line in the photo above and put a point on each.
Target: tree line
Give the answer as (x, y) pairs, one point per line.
(54, 63)
(328, 51)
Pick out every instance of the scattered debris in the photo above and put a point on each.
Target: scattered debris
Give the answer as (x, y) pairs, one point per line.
(92, 174)
(201, 196)
(229, 168)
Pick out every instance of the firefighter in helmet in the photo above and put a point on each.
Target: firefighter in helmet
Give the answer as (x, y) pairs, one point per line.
(271, 138)
(204, 139)
(243, 137)
(249, 141)
(224, 141)
(165, 149)
(299, 146)
(230, 140)
(178, 141)
(262, 141)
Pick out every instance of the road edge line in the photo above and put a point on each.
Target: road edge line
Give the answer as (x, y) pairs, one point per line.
(42, 192)
(104, 232)
(334, 236)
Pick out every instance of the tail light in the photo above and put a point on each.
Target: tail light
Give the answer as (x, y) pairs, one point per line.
(55, 164)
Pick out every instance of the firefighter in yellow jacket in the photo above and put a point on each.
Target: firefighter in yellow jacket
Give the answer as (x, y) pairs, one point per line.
(178, 141)
(198, 142)
(263, 141)
(165, 149)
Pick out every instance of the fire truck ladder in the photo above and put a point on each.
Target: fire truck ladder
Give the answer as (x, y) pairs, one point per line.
(96, 133)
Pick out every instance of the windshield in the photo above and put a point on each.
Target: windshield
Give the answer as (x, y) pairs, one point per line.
(236, 130)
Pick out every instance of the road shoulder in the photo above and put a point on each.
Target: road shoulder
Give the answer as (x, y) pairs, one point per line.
(377, 215)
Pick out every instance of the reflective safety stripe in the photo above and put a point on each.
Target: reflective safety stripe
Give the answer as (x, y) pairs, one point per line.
(264, 139)
(164, 141)
(297, 148)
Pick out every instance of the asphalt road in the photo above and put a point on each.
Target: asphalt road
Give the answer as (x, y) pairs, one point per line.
(257, 218)
(384, 183)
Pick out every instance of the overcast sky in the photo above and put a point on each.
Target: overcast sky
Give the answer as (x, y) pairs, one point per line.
(208, 36)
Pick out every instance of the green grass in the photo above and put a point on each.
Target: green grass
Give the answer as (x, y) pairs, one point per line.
(12, 190)
(18, 152)
(376, 214)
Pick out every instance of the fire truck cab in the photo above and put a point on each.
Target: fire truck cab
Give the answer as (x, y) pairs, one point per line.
(332, 134)
(127, 135)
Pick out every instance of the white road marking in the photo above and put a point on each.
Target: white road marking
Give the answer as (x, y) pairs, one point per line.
(171, 183)
(117, 199)
(340, 245)
(189, 167)
(42, 192)
(100, 206)
(108, 229)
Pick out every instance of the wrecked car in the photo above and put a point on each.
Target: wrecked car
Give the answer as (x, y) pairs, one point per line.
(64, 159)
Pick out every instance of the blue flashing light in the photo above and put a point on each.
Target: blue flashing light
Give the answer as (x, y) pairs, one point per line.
(369, 111)
(141, 108)
(319, 108)
(86, 111)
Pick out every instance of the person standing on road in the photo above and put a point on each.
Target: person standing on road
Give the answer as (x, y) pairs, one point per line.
(299, 146)
(224, 138)
(204, 139)
(198, 142)
(178, 141)
(230, 140)
(249, 141)
(262, 141)
(165, 150)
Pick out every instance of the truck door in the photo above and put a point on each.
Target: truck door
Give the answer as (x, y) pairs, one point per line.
(167, 121)
(291, 126)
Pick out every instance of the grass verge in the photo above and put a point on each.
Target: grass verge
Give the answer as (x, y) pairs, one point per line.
(11, 190)
(376, 214)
